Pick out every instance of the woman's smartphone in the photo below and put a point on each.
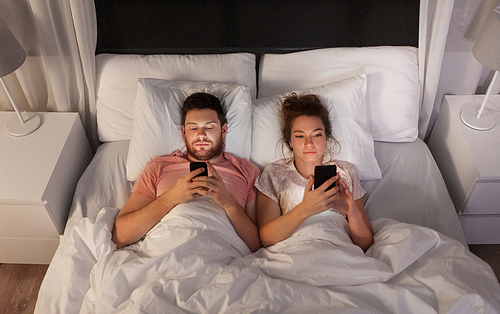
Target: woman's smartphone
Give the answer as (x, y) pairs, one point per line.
(323, 173)
(198, 164)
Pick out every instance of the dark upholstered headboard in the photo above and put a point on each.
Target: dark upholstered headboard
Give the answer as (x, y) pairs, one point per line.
(256, 26)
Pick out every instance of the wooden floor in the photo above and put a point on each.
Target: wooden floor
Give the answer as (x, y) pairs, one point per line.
(19, 284)
(490, 254)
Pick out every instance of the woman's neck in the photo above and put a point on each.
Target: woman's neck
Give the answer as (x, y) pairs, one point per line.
(306, 170)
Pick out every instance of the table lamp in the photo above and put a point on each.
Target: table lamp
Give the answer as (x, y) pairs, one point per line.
(12, 56)
(486, 50)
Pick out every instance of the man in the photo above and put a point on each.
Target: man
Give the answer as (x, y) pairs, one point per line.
(166, 181)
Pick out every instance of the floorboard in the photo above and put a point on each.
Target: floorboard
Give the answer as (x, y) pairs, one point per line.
(19, 285)
(490, 253)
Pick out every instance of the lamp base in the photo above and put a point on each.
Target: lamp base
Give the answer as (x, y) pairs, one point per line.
(31, 124)
(469, 118)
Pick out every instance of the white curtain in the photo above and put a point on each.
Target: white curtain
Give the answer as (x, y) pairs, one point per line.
(60, 38)
(435, 16)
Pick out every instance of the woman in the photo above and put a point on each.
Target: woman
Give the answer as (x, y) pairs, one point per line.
(286, 197)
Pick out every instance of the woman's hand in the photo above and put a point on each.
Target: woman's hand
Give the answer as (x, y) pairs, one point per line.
(344, 201)
(361, 231)
(318, 200)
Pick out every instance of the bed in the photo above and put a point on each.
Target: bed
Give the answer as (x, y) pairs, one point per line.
(193, 261)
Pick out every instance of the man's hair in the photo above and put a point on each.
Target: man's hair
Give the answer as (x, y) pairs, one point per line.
(198, 101)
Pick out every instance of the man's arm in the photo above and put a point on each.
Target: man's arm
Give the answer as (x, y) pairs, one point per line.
(240, 218)
(140, 214)
(244, 226)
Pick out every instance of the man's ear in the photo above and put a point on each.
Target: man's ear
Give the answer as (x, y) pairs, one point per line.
(224, 130)
(183, 131)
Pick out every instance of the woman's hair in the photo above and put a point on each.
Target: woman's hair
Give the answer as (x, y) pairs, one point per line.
(203, 101)
(294, 106)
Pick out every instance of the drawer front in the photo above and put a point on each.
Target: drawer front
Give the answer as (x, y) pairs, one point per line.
(484, 198)
(26, 221)
(27, 251)
(481, 230)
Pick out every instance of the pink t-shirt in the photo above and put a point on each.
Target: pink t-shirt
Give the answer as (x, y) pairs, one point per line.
(162, 173)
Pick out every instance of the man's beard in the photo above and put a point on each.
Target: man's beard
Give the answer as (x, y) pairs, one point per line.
(205, 154)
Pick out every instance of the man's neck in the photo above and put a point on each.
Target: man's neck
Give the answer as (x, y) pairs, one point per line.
(215, 160)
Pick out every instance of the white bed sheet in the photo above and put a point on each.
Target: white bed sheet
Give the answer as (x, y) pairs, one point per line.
(194, 262)
(409, 269)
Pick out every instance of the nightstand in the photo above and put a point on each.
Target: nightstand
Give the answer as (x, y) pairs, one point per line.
(469, 161)
(38, 176)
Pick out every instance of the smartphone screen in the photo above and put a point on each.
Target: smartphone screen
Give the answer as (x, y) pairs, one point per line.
(198, 164)
(323, 173)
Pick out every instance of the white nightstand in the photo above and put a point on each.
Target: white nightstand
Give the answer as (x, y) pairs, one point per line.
(38, 176)
(470, 163)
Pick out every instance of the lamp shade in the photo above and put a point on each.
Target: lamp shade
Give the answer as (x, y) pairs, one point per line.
(12, 55)
(486, 48)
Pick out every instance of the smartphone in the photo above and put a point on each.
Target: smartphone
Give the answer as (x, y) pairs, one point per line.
(323, 173)
(198, 164)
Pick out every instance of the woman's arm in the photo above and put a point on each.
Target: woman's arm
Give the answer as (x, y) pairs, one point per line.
(359, 225)
(274, 227)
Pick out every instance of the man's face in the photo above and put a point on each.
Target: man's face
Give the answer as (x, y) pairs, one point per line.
(203, 134)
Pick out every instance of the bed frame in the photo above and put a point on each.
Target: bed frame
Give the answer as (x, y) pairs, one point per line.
(255, 26)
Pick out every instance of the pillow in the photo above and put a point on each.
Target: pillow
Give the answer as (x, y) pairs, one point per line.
(117, 82)
(157, 119)
(345, 101)
(393, 88)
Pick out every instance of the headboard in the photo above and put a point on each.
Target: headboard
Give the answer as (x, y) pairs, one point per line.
(255, 26)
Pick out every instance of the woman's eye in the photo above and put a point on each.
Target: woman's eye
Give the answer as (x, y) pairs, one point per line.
(299, 136)
(318, 135)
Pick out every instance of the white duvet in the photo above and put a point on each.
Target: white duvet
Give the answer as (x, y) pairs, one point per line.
(194, 262)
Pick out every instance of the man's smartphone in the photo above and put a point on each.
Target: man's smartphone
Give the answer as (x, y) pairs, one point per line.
(323, 173)
(198, 164)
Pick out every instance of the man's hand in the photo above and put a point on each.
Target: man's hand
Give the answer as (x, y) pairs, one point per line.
(214, 187)
(184, 190)
(140, 214)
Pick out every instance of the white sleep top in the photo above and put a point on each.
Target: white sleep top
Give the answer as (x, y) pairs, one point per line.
(281, 182)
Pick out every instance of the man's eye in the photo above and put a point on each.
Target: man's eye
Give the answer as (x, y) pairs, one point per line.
(299, 136)
(318, 135)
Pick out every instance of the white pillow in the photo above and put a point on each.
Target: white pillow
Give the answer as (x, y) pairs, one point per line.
(117, 82)
(157, 119)
(345, 101)
(393, 88)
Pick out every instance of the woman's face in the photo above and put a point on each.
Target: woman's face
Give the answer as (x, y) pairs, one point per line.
(308, 140)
